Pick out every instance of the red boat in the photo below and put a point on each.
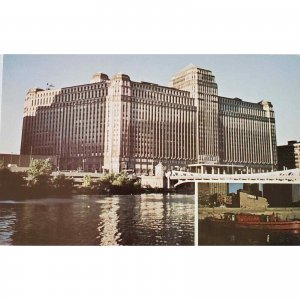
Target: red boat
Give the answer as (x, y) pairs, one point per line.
(252, 221)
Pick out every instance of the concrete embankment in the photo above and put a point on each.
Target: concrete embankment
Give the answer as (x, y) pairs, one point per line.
(285, 213)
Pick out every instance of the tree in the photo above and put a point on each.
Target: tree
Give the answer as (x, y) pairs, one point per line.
(122, 184)
(39, 170)
(137, 185)
(117, 184)
(121, 180)
(39, 177)
(214, 200)
(62, 185)
(104, 183)
(12, 185)
(87, 181)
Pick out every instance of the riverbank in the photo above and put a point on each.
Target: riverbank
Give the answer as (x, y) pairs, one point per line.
(218, 212)
(38, 182)
(28, 193)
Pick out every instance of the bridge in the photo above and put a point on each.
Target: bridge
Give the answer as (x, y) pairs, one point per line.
(283, 177)
(286, 176)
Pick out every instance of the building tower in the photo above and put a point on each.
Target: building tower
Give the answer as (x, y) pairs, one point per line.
(203, 89)
(117, 129)
(268, 108)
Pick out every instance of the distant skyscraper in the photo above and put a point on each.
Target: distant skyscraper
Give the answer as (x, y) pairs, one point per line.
(289, 155)
(297, 154)
(117, 124)
(282, 195)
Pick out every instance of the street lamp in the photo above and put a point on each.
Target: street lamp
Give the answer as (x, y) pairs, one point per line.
(83, 161)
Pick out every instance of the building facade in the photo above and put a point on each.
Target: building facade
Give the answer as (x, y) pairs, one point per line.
(282, 195)
(203, 90)
(249, 201)
(297, 154)
(211, 193)
(23, 161)
(289, 155)
(118, 124)
(247, 134)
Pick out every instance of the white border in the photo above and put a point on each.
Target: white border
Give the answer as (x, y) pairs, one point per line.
(1, 80)
(189, 27)
(200, 27)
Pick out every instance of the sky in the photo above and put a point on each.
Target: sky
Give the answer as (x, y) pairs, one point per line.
(250, 77)
(234, 187)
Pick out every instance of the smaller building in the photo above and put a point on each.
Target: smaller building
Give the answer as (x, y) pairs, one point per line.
(224, 200)
(289, 155)
(227, 200)
(158, 181)
(213, 194)
(249, 201)
(252, 188)
(297, 154)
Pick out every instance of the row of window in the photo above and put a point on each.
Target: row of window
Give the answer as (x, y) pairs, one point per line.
(81, 88)
(139, 87)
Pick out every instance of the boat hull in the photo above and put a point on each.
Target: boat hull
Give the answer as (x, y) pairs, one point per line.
(218, 222)
(253, 224)
(280, 225)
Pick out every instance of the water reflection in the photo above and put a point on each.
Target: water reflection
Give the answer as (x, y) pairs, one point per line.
(7, 220)
(108, 225)
(213, 235)
(99, 220)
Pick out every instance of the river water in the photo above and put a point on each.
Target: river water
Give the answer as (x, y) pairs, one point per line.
(151, 219)
(214, 235)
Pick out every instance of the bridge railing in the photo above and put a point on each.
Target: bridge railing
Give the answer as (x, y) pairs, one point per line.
(286, 175)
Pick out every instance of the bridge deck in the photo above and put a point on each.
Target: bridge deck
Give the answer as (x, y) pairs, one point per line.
(287, 176)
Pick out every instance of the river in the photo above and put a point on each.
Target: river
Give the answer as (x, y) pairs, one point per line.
(244, 237)
(147, 219)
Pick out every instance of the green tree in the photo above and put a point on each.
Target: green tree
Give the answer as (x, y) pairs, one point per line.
(122, 184)
(117, 184)
(121, 180)
(104, 184)
(39, 170)
(39, 177)
(87, 181)
(137, 185)
(214, 200)
(111, 183)
(62, 185)
(12, 185)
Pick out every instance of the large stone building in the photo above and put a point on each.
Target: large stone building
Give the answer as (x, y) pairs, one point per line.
(118, 124)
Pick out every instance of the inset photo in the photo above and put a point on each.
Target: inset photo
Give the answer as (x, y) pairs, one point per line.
(249, 214)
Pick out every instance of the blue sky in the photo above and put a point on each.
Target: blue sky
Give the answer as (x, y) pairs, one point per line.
(234, 187)
(249, 77)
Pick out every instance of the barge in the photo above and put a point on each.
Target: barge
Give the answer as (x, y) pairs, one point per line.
(253, 221)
